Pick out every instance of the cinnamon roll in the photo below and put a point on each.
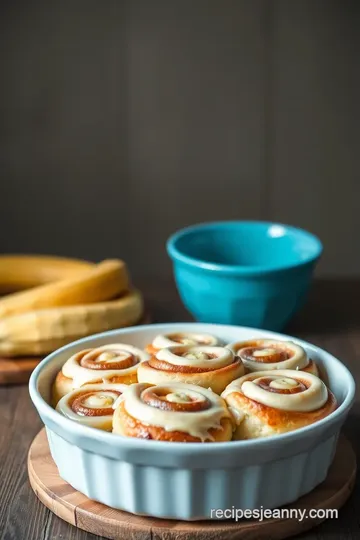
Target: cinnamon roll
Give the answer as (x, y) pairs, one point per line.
(267, 403)
(92, 404)
(269, 354)
(209, 367)
(181, 338)
(173, 412)
(114, 363)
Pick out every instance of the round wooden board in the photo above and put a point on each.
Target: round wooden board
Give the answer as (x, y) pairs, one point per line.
(18, 370)
(75, 508)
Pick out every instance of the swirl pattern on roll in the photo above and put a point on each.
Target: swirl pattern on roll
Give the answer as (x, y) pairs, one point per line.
(287, 390)
(92, 405)
(174, 407)
(172, 339)
(270, 354)
(201, 358)
(109, 363)
(206, 366)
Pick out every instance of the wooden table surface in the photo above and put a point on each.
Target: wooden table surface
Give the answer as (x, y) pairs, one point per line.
(331, 319)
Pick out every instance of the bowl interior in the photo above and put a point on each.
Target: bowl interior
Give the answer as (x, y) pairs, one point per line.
(245, 244)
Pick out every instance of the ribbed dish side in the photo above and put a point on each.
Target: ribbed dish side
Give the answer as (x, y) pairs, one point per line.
(190, 494)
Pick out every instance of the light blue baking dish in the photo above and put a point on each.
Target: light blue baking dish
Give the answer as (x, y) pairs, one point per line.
(188, 481)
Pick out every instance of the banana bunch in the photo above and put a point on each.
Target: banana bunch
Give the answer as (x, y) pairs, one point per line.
(63, 300)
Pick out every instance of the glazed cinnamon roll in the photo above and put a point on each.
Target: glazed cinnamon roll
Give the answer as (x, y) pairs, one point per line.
(181, 338)
(209, 367)
(173, 412)
(114, 363)
(264, 354)
(92, 404)
(267, 403)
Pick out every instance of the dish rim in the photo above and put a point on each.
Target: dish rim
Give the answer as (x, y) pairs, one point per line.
(176, 255)
(77, 429)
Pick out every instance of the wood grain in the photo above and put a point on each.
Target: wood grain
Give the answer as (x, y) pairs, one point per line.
(314, 137)
(78, 510)
(237, 109)
(17, 371)
(330, 319)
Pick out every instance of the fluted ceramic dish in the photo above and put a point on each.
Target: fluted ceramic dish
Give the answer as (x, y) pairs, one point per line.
(188, 481)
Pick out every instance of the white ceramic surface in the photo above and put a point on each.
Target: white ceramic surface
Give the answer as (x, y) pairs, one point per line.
(187, 481)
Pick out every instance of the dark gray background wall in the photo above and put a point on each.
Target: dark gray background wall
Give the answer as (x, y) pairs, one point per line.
(121, 121)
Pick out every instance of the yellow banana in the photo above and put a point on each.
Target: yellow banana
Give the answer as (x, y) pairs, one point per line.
(42, 331)
(19, 272)
(100, 282)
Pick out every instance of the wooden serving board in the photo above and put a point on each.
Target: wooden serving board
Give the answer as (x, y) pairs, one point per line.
(18, 370)
(78, 510)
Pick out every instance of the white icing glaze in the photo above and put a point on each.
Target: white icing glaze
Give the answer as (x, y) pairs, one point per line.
(101, 400)
(298, 360)
(283, 384)
(178, 397)
(199, 357)
(164, 340)
(196, 423)
(237, 414)
(264, 352)
(311, 399)
(105, 398)
(81, 375)
(109, 357)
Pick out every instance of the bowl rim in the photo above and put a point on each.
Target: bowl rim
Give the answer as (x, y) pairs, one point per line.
(176, 255)
(178, 448)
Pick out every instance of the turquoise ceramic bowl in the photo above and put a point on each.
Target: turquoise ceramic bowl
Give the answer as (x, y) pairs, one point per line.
(248, 273)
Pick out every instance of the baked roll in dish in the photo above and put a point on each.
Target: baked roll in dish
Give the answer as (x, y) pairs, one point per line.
(92, 404)
(269, 354)
(209, 367)
(173, 412)
(181, 338)
(114, 363)
(267, 403)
